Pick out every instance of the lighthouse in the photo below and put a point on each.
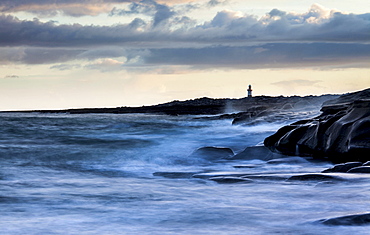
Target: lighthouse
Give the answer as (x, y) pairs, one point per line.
(249, 91)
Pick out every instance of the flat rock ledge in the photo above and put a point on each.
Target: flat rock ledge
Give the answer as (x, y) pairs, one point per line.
(340, 134)
(349, 220)
(350, 167)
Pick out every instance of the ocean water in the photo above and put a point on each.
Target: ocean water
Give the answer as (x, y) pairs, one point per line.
(134, 174)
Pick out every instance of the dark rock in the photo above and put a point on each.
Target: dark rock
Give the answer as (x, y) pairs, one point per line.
(272, 141)
(344, 167)
(273, 109)
(175, 175)
(366, 163)
(360, 169)
(269, 177)
(243, 117)
(350, 97)
(349, 220)
(252, 113)
(256, 153)
(246, 166)
(209, 175)
(288, 160)
(315, 177)
(230, 180)
(340, 134)
(212, 153)
(289, 147)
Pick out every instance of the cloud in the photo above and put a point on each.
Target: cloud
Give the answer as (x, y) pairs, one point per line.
(296, 82)
(36, 55)
(294, 85)
(142, 7)
(67, 7)
(213, 3)
(159, 12)
(312, 26)
(318, 37)
(11, 76)
(75, 8)
(226, 27)
(272, 55)
(163, 12)
(107, 65)
(60, 56)
(63, 67)
(15, 32)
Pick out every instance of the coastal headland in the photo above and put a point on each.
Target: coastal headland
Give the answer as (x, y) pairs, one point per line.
(209, 106)
(341, 133)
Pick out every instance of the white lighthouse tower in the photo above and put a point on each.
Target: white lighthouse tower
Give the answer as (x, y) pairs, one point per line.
(249, 91)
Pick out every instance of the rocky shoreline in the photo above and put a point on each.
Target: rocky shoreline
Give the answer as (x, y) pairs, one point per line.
(340, 134)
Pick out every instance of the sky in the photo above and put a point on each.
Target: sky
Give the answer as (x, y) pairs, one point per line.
(59, 54)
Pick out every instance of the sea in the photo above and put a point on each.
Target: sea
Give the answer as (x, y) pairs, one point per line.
(135, 174)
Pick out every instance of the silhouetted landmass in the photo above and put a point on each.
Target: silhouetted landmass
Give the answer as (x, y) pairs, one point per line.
(239, 108)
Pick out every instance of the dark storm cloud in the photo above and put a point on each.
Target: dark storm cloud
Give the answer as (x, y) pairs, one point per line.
(41, 55)
(31, 55)
(159, 12)
(287, 27)
(163, 13)
(273, 55)
(226, 27)
(14, 32)
(142, 7)
(279, 39)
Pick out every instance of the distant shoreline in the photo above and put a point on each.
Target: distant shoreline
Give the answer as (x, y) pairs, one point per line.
(203, 106)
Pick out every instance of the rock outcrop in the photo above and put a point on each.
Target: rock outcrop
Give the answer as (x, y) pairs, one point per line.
(212, 153)
(343, 167)
(349, 167)
(349, 220)
(256, 153)
(340, 134)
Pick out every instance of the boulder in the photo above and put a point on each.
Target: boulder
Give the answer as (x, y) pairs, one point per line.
(288, 160)
(175, 175)
(360, 169)
(230, 179)
(244, 117)
(209, 175)
(349, 220)
(256, 153)
(340, 134)
(250, 166)
(212, 153)
(315, 177)
(343, 167)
